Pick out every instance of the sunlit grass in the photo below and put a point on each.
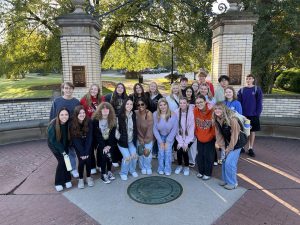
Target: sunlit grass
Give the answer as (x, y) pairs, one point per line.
(283, 92)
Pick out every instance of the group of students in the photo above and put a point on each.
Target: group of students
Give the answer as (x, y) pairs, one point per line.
(193, 121)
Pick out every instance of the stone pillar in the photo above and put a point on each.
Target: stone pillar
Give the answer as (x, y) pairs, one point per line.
(80, 48)
(232, 44)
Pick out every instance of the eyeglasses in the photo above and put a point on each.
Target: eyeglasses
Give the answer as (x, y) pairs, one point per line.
(139, 105)
(200, 102)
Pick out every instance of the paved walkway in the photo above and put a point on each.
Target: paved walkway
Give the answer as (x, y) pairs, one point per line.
(272, 180)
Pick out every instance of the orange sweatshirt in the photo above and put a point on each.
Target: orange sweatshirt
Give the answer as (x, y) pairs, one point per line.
(204, 130)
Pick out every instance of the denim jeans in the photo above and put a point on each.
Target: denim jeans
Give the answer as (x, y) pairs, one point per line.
(165, 156)
(145, 162)
(193, 152)
(129, 159)
(72, 156)
(229, 167)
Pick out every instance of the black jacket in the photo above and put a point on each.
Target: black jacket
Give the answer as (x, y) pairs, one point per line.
(98, 138)
(153, 102)
(123, 140)
(83, 145)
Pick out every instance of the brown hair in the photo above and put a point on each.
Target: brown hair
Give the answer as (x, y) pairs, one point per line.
(209, 94)
(111, 116)
(57, 125)
(76, 130)
(234, 97)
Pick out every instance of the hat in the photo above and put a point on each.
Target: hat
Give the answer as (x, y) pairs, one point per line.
(223, 77)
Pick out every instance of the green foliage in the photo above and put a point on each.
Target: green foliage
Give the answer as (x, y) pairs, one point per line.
(289, 80)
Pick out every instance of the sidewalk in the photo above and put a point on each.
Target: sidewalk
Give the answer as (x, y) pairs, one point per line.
(272, 180)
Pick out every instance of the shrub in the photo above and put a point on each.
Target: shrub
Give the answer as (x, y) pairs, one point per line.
(289, 80)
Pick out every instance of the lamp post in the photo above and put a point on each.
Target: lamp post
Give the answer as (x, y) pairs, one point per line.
(172, 62)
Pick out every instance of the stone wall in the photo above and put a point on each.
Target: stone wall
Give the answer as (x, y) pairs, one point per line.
(17, 110)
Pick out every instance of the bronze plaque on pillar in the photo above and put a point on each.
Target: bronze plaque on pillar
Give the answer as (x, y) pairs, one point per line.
(235, 74)
(78, 74)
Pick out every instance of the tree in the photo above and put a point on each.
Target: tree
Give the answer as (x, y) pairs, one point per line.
(276, 38)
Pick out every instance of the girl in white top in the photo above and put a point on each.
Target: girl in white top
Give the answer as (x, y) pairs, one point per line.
(173, 98)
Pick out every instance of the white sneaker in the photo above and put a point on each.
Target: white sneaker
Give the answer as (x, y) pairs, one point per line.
(105, 179)
(161, 172)
(205, 177)
(178, 169)
(80, 184)
(167, 173)
(199, 175)
(143, 171)
(134, 174)
(93, 171)
(149, 172)
(68, 185)
(123, 177)
(90, 181)
(216, 163)
(111, 176)
(115, 165)
(186, 171)
(59, 188)
(75, 173)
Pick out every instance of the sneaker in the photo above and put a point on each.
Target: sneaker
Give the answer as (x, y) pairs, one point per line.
(75, 173)
(99, 169)
(111, 176)
(59, 188)
(90, 181)
(251, 152)
(205, 177)
(161, 172)
(167, 173)
(220, 161)
(105, 179)
(230, 186)
(134, 174)
(216, 163)
(154, 156)
(199, 175)
(68, 185)
(186, 171)
(178, 169)
(149, 172)
(192, 165)
(242, 150)
(222, 183)
(80, 184)
(123, 177)
(143, 171)
(93, 171)
(115, 165)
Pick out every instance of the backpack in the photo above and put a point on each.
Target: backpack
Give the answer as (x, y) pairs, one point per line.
(244, 123)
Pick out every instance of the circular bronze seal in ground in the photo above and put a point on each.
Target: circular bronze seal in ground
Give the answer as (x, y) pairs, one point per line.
(154, 190)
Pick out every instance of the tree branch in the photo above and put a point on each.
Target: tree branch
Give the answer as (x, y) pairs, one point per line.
(145, 38)
(156, 26)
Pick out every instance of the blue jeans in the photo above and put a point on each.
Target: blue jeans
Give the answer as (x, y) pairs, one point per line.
(72, 156)
(229, 167)
(165, 156)
(129, 159)
(145, 162)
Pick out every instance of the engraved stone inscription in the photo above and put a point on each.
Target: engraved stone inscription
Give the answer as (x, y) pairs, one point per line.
(78, 74)
(235, 74)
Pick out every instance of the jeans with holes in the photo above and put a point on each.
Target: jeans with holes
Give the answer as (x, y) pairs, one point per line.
(165, 156)
(229, 167)
(129, 159)
(145, 162)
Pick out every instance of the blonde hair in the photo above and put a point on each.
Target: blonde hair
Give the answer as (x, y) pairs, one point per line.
(171, 91)
(89, 97)
(209, 94)
(227, 114)
(168, 114)
(157, 91)
(111, 116)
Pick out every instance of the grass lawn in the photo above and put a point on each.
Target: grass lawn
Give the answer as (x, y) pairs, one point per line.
(283, 92)
(34, 86)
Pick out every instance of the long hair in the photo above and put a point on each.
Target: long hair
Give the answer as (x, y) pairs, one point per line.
(122, 113)
(234, 97)
(227, 114)
(134, 89)
(171, 91)
(209, 94)
(156, 91)
(114, 97)
(111, 119)
(168, 114)
(76, 130)
(88, 96)
(57, 125)
(193, 94)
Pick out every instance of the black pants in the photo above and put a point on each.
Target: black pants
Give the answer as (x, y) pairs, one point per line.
(116, 155)
(81, 164)
(104, 161)
(62, 176)
(205, 157)
(92, 156)
(182, 154)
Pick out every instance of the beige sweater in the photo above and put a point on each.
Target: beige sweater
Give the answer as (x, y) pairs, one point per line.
(144, 127)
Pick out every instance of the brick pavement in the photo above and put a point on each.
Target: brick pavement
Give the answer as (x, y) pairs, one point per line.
(31, 166)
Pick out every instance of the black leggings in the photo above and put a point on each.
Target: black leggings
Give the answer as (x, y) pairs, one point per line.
(103, 161)
(183, 154)
(205, 157)
(62, 176)
(81, 164)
